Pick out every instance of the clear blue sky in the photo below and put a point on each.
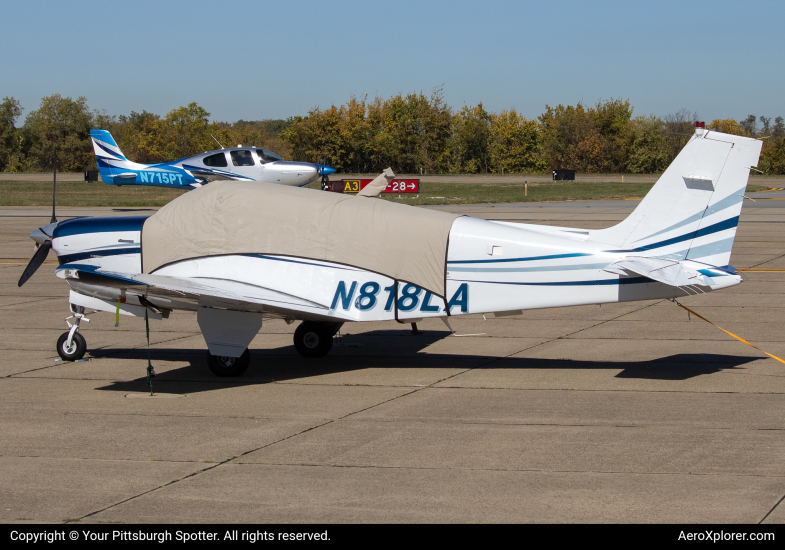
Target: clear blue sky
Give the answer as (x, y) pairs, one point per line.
(256, 60)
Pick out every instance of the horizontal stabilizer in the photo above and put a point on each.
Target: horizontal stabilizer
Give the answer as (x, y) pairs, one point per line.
(669, 272)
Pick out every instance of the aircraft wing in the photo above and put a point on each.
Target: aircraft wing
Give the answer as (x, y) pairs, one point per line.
(210, 174)
(198, 291)
(669, 272)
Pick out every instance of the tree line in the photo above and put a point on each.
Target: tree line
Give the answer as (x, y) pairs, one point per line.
(412, 133)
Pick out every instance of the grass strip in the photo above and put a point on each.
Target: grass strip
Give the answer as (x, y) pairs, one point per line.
(33, 193)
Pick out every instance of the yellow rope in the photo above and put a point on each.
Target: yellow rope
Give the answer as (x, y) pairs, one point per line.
(726, 332)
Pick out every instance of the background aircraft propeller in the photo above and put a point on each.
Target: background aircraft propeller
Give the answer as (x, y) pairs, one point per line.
(325, 177)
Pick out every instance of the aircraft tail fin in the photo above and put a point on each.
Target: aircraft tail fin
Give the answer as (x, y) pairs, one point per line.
(108, 155)
(692, 211)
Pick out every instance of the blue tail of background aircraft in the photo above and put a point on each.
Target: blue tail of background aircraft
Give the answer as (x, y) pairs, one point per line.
(116, 169)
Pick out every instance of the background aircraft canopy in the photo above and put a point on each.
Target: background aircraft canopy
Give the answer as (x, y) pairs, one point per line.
(404, 243)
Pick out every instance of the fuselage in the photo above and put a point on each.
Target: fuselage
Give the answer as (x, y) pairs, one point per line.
(492, 267)
(233, 163)
(237, 163)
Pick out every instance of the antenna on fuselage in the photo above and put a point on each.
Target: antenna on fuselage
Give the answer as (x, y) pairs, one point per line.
(54, 184)
(218, 142)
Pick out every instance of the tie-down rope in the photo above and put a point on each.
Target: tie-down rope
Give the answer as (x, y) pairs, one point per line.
(740, 339)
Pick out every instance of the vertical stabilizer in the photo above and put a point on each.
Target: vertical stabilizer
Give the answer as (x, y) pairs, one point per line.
(108, 156)
(693, 209)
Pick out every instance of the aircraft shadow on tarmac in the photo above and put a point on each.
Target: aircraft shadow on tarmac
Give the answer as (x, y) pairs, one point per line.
(390, 349)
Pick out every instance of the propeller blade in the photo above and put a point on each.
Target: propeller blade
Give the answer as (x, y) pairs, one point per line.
(38, 258)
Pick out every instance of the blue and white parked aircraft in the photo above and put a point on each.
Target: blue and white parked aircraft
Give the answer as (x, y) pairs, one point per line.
(233, 163)
(240, 253)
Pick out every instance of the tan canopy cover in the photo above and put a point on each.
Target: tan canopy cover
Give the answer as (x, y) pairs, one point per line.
(399, 241)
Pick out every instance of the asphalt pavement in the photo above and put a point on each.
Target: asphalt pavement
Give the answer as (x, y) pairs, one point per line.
(622, 413)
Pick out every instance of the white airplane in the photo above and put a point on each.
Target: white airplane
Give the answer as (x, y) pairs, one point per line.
(240, 253)
(232, 163)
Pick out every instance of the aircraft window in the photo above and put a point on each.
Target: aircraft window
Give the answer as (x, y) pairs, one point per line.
(267, 156)
(242, 158)
(218, 159)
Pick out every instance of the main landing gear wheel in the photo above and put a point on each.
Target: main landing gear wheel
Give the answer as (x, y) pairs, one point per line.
(222, 365)
(313, 339)
(75, 351)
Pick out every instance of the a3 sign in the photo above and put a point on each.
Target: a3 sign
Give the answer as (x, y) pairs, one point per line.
(395, 186)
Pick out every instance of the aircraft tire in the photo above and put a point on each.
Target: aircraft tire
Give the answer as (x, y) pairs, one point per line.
(229, 366)
(77, 349)
(313, 339)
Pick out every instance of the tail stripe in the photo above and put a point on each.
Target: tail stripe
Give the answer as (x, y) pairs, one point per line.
(716, 228)
(115, 155)
(724, 204)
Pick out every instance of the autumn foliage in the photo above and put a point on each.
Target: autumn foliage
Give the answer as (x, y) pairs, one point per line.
(412, 133)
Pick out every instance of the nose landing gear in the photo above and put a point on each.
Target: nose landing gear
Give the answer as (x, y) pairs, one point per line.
(71, 346)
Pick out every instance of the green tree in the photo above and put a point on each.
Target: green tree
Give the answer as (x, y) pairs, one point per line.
(63, 123)
(10, 137)
(588, 140)
(470, 140)
(778, 130)
(515, 144)
(189, 131)
(678, 128)
(728, 126)
(647, 151)
(749, 125)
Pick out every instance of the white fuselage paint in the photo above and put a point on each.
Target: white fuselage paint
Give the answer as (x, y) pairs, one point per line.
(491, 267)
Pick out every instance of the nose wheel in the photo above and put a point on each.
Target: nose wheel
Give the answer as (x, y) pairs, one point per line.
(71, 346)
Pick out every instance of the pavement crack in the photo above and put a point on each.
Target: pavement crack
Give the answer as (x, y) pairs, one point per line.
(772, 509)
(509, 470)
(767, 261)
(194, 474)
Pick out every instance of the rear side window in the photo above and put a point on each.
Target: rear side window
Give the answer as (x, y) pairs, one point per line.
(219, 159)
(242, 158)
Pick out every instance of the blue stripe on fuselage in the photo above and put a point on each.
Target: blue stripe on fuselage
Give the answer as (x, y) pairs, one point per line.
(529, 259)
(78, 226)
(68, 258)
(600, 282)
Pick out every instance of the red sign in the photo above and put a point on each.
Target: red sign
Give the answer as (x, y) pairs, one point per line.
(395, 186)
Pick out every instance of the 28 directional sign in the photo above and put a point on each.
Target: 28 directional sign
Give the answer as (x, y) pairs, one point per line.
(395, 186)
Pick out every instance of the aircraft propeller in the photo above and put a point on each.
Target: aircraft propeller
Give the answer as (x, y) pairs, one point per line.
(36, 261)
(42, 250)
